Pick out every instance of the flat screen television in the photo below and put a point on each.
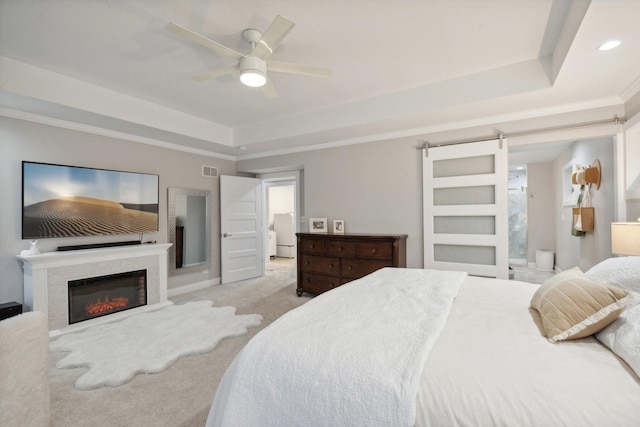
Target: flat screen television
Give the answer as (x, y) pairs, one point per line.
(67, 201)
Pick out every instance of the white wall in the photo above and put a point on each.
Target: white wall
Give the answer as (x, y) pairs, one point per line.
(374, 187)
(377, 188)
(632, 108)
(541, 209)
(586, 251)
(281, 199)
(633, 210)
(21, 140)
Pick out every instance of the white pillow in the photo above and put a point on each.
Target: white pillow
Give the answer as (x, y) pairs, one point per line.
(623, 272)
(623, 337)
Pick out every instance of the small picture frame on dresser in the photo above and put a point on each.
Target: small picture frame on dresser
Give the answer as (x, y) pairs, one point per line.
(338, 226)
(317, 225)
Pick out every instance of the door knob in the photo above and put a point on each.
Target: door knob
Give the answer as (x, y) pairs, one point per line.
(226, 235)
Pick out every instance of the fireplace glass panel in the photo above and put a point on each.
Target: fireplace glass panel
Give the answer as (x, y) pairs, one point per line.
(98, 296)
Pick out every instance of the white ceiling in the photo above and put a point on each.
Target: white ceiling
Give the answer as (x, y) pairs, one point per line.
(401, 67)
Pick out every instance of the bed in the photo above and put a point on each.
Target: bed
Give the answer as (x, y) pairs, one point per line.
(430, 348)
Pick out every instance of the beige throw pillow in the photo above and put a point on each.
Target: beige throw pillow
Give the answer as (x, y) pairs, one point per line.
(551, 283)
(574, 307)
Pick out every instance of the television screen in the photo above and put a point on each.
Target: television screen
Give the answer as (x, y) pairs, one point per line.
(66, 201)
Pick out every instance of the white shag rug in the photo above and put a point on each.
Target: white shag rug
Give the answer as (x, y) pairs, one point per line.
(149, 342)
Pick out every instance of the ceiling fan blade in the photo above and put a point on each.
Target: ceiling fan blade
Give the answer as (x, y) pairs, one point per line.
(215, 73)
(303, 70)
(269, 89)
(270, 40)
(195, 37)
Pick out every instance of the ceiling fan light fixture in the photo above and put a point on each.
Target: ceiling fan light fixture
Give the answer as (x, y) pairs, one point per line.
(253, 78)
(253, 71)
(252, 67)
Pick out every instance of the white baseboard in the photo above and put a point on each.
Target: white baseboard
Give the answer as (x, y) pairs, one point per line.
(192, 287)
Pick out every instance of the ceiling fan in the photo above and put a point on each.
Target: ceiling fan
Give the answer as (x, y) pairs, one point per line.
(253, 66)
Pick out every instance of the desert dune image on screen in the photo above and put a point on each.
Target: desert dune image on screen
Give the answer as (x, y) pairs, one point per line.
(65, 201)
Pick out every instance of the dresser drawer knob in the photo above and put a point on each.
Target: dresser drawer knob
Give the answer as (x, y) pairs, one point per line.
(313, 245)
(374, 250)
(308, 262)
(330, 266)
(341, 248)
(350, 267)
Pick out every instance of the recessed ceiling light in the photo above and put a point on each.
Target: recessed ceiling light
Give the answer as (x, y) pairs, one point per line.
(609, 45)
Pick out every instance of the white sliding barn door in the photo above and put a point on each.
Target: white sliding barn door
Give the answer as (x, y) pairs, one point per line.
(241, 250)
(465, 208)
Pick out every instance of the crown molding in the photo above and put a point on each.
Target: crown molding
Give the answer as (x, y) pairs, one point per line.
(423, 132)
(631, 90)
(65, 124)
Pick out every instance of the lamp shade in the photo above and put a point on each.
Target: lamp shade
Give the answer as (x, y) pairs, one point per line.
(625, 238)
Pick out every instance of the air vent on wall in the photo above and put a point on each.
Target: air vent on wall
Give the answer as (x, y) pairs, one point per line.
(209, 171)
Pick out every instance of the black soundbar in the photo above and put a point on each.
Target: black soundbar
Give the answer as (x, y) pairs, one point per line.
(99, 245)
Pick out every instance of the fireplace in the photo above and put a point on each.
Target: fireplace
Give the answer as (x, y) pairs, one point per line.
(47, 276)
(99, 296)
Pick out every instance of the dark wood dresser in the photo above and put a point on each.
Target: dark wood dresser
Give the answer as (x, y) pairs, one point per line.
(327, 260)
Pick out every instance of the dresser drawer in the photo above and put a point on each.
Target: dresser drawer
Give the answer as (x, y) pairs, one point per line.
(328, 260)
(377, 250)
(356, 268)
(317, 284)
(341, 248)
(313, 246)
(324, 265)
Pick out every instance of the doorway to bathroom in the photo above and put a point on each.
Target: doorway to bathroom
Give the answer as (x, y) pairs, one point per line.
(517, 199)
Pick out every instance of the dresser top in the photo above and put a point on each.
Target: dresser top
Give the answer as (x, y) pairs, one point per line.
(353, 235)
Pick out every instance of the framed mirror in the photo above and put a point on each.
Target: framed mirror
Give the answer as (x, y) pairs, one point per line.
(189, 230)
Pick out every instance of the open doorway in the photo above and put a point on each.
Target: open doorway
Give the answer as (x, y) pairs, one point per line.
(517, 199)
(280, 191)
(280, 201)
(532, 206)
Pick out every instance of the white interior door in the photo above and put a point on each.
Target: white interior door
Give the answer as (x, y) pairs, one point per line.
(241, 245)
(465, 208)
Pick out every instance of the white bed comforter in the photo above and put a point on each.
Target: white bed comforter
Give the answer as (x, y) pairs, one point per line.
(307, 367)
(492, 366)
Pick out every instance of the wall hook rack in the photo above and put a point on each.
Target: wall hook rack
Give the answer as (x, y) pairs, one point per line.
(589, 175)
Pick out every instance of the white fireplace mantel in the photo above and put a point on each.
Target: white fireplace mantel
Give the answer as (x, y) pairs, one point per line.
(46, 276)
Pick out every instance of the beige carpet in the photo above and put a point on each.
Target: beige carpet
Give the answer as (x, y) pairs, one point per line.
(181, 395)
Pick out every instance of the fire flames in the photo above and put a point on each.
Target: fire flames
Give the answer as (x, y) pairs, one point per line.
(100, 307)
